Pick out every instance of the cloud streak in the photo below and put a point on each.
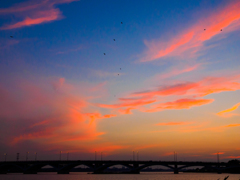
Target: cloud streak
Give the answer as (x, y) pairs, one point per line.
(47, 113)
(33, 13)
(186, 94)
(191, 40)
(224, 113)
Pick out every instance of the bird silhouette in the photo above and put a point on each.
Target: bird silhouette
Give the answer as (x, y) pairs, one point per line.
(221, 29)
(11, 36)
(113, 39)
(121, 22)
(104, 53)
(204, 29)
(120, 68)
(118, 74)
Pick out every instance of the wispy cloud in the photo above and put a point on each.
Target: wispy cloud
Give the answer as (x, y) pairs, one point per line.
(218, 153)
(48, 113)
(186, 94)
(177, 71)
(191, 40)
(232, 125)
(225, 113)
(172, 123)
(179, 104)
(33, 12)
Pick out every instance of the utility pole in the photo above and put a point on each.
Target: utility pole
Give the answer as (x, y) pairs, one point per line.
(5, 154)
(175, 156)
(218, 157)
(27, 156)
(17, 156)
(60, 155)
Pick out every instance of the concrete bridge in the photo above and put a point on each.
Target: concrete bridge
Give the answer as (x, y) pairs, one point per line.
(100, 167)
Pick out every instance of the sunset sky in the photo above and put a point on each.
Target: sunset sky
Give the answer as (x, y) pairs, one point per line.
(119, 76)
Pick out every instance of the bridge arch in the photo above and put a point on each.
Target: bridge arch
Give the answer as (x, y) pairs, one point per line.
(150, 164)
(70, 166)
(7, 167)
(103, 167)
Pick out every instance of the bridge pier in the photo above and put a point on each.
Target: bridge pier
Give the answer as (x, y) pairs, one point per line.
(30, 172)
(175, 169)
(135, 169)
(63, 172)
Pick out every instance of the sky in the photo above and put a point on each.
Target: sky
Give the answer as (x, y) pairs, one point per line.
(120, 78)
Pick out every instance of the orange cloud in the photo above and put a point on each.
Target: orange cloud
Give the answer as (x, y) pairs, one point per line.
(172, 123)
(232, 125)
(129, 103)
(168, 154)
(39, 113)
(180, 104)
(34, 13)
(200, 88)
(223, 113)
(192, 39)
(106, 148)
(208, 85)
(218, 153)
(233, 157)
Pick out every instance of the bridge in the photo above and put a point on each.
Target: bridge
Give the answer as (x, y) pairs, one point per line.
(100, 167)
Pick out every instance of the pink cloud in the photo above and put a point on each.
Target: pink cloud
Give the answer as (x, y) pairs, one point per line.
(177, 71)
(33, 13)
(192, 39)
(208, 85)
(40, 114)
(188, 92)
(180, 104)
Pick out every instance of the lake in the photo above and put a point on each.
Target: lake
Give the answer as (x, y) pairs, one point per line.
(142, 176)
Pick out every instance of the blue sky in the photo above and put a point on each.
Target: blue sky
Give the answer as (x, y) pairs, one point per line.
(165, 84)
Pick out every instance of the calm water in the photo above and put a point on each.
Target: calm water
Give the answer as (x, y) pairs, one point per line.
(142, 176)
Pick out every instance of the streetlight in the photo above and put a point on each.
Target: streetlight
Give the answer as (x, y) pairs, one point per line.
(5, 154)
(218, 157)
(60, 155)
(67, 155)
(175, 156)
(27, 155)
(17, 156)
(35, 156)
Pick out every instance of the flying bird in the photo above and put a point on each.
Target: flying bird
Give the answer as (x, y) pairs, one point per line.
(204, 29)
(121, 22)
(221, 29)
(118, 74)
(113, 39)
(120, 68)
(11, 36)
(104, 53)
